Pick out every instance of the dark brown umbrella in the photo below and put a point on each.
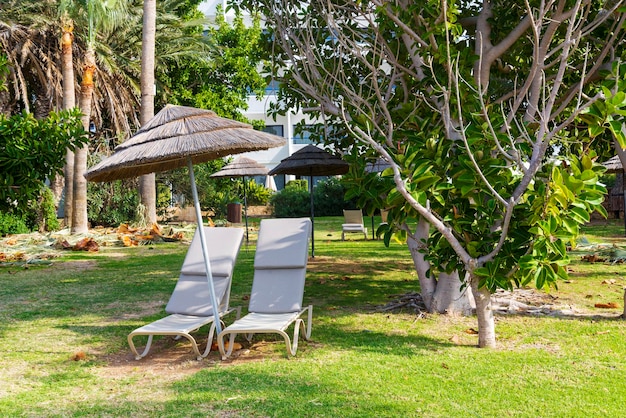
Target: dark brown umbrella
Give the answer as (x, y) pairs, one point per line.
(311, 161)
(179, 136)
(242, 167)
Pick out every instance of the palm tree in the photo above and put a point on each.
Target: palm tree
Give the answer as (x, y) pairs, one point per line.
(147, 184)
(101, 15)
(69, 101)
(29, 34)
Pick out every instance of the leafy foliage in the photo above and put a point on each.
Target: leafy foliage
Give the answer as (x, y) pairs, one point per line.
(329, 198)
(31, 151)
(43, 215)
(291, 202)
(112, 203)
(222, 80)
(257, 193)
(11, 223)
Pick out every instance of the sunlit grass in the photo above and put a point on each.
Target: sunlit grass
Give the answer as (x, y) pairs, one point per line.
(359, 363)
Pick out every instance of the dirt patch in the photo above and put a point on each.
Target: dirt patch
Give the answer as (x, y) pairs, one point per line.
(174, 359)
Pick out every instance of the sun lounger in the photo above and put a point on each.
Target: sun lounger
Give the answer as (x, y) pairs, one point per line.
(278, 285)
(190, 306)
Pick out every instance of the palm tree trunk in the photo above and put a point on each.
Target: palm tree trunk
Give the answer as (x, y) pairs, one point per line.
(79, 209)
(147, 184)
(69, 102)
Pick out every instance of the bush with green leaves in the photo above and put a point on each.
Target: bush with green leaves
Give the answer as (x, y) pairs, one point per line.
(291, 202)
(302, 184)
(43, 215)
(329, 198)
(112, 203)
(12, 224)
(32, 150)
(258, 194)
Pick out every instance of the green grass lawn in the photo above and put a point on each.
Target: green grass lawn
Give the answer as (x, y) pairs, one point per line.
(359, 362)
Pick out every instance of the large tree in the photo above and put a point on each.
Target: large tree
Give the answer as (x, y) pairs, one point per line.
(486, 113)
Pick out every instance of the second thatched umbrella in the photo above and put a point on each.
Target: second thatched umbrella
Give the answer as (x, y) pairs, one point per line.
(614, 165)
(179, 136)
(311, 161)
(242, 167)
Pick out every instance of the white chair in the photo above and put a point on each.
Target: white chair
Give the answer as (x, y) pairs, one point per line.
(277, 286)
(190, 304)
(353, 222)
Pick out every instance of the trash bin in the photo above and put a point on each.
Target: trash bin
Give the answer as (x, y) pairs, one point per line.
(233, 213)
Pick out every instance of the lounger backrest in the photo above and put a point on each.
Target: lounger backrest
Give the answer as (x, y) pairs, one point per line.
(191, 294)
(280, 265)
(353, 216)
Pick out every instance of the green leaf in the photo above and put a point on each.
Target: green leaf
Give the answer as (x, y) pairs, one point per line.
(579, 215)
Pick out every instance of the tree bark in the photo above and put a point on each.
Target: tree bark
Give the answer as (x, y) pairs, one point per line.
(80, 223)
(442, 294)
(147, 184)
(69, 102)
(484, 314)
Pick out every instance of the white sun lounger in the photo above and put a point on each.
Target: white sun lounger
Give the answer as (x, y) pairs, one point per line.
(278, 285)
(190, 304)
(353, 222)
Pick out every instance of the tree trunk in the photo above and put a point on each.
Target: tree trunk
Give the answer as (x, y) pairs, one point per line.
(147, 184)
(57, 185)
(484, 314)
(69, 102)
(147, 191)
(69, 187)
(79, 211)
(442, 294)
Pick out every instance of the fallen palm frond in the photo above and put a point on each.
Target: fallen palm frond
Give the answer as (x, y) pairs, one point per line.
(28, 248)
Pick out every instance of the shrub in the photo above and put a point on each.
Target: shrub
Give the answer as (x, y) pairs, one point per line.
(12, 224)
(45, 213)
(112, 203)
(257, 193)
(291, 202)
(329, 198)
(301, 184)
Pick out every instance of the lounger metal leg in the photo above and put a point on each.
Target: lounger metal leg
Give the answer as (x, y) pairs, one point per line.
(220, 344)
(134, 350)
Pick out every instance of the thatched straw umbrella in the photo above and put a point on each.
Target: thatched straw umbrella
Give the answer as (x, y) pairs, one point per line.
(311, 161)
(179, 136)
(614, 165)
(242, 167)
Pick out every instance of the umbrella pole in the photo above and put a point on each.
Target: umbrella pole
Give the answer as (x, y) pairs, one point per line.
(205, 251)
(245, 208)
(312, 221)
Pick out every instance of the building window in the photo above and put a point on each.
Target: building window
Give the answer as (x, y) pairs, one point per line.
(272, 88)
(275, 129)
(304, 136)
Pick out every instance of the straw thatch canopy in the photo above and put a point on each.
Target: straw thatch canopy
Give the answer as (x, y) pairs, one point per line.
(241, 167)
(311, 161)
(613, 165)
(377, 166)
(175, 134)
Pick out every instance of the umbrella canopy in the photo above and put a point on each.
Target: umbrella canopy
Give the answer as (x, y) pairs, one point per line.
(311, 161)
(242, 167)
(176, 134)
(179, 136)
(613, 165)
